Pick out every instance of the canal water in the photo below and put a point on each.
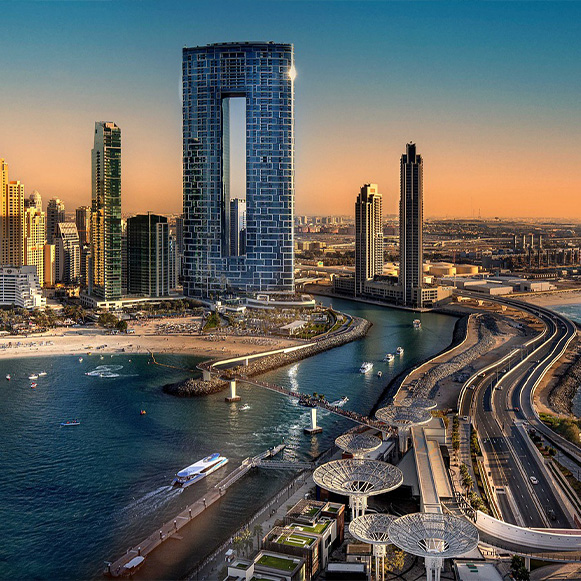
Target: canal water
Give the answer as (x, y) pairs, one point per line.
(73, 497)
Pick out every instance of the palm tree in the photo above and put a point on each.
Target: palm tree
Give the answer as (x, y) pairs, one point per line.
(257, 530)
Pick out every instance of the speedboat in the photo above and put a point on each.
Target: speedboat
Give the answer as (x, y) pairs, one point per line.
(199, 470)
(33, 376)
(365, 367)
(399, 350)
(32, 385)
(8, 378)
(80, 359)
(379, 374)
(142, 412)
(344, 399)
(417, 324)
(42, 373)
(245, 407)
(70, 423)
(389, 357)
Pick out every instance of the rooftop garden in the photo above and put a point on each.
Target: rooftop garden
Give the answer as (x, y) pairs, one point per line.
(295, 539)
(318, 528)
(277, 562)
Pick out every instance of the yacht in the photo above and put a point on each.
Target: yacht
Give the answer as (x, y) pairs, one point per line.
(199, 470)
(389, 357)
(365, 367)
(42, 374)
(8, 378)
(399, 350)
(33, 376)
(417, 324)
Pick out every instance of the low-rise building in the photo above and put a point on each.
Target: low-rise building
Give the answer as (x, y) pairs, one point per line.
(20, 287)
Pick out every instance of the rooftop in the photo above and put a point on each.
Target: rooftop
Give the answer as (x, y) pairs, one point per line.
(279, 562)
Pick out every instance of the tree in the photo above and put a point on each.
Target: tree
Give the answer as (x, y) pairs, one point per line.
(108, 320)
(121, 326)
(238, 544)
(518, 569)
(258, 532)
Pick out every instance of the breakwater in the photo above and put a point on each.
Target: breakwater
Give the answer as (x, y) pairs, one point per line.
(355, 329)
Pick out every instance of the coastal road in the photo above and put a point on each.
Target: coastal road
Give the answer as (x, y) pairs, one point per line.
(501, 398)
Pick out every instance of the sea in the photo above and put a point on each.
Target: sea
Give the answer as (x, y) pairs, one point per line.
(74, 497)
(573, 311)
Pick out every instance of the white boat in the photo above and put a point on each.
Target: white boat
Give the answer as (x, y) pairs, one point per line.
(8, 377)
(399, 350)
(199, 470)
(245, 407)
(417, 324)
(365, 367)
(379, 374)
(42, 373)
(33, 376)
(389, 357)
(80, 359)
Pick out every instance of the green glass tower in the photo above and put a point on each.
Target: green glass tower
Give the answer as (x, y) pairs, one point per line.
(105, 272)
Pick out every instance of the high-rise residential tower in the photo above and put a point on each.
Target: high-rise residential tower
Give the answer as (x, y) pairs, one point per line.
(105, 272)
(237, 227)
(83, 222)
(257, 77)
(368, 236)
(148, 255)
(67, 253)
(35, 237)
(411, 220)
(55, 214)
(11, 221)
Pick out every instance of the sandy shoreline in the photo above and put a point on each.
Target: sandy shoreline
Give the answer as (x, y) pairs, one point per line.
(553, 299)
(79, 341)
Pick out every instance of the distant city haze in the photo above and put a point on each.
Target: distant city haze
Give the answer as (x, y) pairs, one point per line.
(489, 92)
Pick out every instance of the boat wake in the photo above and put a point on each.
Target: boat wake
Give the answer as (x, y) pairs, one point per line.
(152, 500)
(105, 371)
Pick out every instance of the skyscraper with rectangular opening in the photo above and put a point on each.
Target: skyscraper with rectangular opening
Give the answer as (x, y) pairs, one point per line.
(215, 78)
(411, 221)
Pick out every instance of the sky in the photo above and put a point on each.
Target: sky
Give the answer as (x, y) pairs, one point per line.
(489, 92)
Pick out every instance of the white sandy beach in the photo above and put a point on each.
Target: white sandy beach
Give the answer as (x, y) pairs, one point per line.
(548, 299)
(70, 341)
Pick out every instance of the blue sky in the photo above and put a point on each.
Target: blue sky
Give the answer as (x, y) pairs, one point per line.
(489, 84)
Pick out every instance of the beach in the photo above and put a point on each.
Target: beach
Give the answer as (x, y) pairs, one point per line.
(145, 337)
(554, 298)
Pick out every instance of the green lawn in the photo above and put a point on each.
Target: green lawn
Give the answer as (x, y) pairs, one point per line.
(296, 540)
(319, 528)
(279, 563)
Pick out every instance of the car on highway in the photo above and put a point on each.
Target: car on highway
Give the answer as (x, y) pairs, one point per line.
(517, 409)
(534, 480)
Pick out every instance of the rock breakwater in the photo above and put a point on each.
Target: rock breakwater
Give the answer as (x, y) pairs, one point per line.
(198, 387)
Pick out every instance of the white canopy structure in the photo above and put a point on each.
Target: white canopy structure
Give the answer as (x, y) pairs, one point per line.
(403, 418)
(373, 529)
(358, 444)
(418, 402)
(358, 479)
(435, 537)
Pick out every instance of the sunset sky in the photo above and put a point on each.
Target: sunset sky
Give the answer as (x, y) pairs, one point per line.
(490, 92)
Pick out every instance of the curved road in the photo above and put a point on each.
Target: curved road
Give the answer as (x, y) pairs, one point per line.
(500, 398)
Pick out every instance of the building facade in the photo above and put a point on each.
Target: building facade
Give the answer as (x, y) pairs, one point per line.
(148, 256)
(411, 220)
(11, 220)
(368, 236)
(19, 287)
(105, 270)
(67, 253)
(83, 223)
(35, 239)
(55, 214)
(262, 74)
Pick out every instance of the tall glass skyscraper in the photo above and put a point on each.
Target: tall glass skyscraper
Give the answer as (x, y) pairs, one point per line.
(105, 273)
(262, 75)
(368, 236)
(411, 225)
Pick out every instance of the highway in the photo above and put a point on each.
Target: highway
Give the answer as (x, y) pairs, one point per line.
(502, 397)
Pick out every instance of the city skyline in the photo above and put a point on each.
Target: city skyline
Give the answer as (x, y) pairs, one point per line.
(479, 80)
